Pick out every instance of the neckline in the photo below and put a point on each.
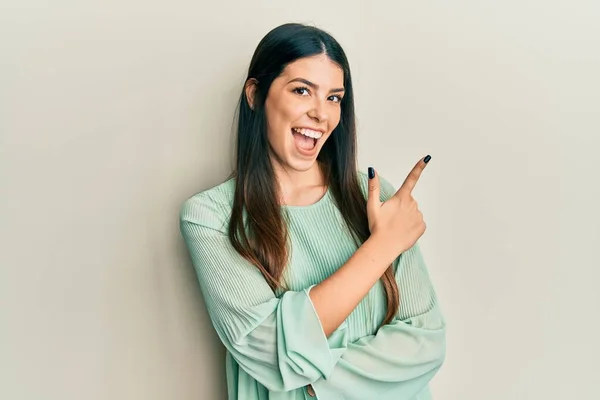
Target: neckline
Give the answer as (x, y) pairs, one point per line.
(309, 206)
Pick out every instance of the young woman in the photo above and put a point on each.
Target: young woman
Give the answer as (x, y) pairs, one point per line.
(310, 269)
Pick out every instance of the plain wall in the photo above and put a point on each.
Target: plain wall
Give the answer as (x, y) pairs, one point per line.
(112, 115)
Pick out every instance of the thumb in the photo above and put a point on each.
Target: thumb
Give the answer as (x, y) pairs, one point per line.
(373, 202)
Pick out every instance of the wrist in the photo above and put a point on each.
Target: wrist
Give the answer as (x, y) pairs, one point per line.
(384, 246)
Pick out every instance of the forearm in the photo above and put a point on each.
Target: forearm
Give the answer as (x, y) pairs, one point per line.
(399, 360)
(338, 295)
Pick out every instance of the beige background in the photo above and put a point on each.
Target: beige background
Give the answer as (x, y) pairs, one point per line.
(111, 116)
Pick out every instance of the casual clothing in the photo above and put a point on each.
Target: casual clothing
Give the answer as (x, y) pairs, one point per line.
(275, 342)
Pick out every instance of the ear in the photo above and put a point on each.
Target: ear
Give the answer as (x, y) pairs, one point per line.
(250, 88)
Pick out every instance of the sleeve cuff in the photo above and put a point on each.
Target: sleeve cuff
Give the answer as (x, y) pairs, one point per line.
(325, 351)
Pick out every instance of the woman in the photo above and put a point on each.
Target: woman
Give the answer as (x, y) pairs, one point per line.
(314, 286)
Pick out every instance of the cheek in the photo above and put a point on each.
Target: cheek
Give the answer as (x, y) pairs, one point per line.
(282, 114)
(295, 111)
(335, 118)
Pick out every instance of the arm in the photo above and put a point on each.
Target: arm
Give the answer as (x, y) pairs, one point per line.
(402, 357)
(278, 341)
(338, 295)
(395, 224)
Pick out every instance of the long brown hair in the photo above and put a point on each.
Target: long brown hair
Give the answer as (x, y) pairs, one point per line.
(257, 229)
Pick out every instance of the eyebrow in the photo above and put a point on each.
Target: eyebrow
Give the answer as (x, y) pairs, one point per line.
(314, 85)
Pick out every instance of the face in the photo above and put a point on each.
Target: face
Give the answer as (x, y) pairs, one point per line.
(302, 109)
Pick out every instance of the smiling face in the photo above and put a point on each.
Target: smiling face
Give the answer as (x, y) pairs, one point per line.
(302, 109)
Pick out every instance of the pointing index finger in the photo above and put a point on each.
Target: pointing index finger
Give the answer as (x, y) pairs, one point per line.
(413, 177)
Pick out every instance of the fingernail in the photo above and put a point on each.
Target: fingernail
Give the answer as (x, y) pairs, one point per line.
(426, 160)
(371, 173)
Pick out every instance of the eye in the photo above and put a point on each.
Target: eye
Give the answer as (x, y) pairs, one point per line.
(302, 91)
(336, 98)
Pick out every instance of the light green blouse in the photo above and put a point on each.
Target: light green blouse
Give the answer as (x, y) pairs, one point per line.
(275, 343)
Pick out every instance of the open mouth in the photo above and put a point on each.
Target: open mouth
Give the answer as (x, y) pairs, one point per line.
(306, 139)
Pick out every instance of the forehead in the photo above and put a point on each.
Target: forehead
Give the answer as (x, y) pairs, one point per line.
(318, 69)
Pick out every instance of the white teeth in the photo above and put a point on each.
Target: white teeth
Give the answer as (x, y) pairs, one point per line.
(309, 132)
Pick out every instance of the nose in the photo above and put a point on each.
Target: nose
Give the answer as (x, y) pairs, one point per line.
(318, 111)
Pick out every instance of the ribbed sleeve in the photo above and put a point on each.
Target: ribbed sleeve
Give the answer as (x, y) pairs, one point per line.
(278, 341)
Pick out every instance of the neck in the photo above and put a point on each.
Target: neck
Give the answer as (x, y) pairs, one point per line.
(290, 180)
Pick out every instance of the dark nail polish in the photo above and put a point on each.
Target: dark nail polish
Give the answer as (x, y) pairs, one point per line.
(371, 173)
(426, 160)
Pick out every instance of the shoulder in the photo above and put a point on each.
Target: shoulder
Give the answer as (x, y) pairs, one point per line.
(210, 208)
(387, 190)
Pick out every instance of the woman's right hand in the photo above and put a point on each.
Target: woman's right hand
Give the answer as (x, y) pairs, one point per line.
(397, 222)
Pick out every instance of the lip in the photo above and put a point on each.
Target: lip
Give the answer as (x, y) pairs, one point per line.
(313, 152)
(307, 153)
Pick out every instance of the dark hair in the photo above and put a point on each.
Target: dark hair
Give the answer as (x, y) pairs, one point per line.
(261, 235)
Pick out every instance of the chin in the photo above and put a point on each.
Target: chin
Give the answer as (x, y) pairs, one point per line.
(301, 165)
